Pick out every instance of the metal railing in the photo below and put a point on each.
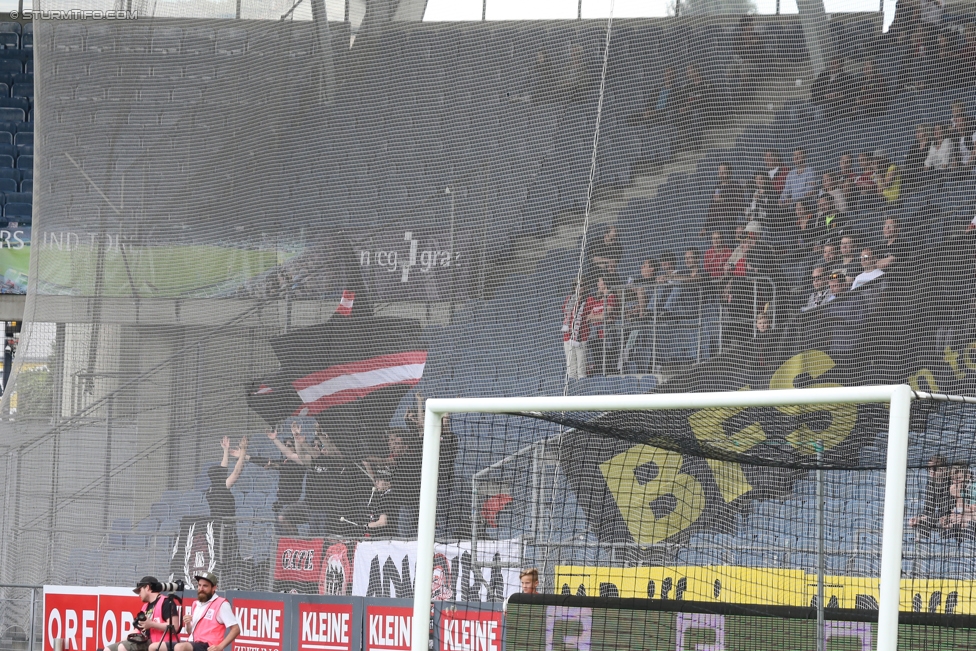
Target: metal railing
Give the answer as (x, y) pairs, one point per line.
(725, 318)
(21, 612)
(623, 333)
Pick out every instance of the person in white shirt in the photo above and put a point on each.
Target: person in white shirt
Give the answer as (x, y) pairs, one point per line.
(870, 265)
(212, 624)
(940, 151)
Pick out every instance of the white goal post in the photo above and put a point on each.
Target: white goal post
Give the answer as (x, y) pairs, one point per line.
(898, 397)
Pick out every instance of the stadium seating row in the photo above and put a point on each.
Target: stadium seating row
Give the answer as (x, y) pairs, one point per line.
(16, 121)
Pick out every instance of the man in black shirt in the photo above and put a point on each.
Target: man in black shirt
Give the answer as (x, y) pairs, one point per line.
(291, 472)
(325, 481)
(223, 508)
(607, 250)
(381, 512)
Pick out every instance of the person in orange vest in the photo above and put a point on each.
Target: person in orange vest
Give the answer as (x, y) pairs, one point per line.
(211, 623)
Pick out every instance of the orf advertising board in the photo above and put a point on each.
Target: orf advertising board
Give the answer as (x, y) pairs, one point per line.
(461, 629)
(87, 618)
(388, 625)
(328, 624)
(262, 622)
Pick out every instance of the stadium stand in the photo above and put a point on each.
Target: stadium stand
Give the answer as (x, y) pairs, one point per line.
(524, 141)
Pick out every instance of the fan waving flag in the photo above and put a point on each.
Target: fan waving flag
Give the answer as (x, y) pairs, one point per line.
(350, 374)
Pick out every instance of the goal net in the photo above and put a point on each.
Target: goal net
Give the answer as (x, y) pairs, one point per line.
(760, 518)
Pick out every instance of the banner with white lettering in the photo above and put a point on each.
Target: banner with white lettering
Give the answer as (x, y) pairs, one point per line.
(263, 621)
(388, 625)
(328, 623)
(468, 627)
(87, 617)
(386, 569)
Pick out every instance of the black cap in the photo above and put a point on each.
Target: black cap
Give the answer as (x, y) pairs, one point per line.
(151, 581)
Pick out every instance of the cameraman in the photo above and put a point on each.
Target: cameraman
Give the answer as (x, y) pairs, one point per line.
(157, 615)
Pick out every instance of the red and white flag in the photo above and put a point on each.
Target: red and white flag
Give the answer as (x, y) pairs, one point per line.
(345, 303)
(338, 385)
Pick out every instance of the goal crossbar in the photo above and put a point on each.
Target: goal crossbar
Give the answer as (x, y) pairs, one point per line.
(898, 397)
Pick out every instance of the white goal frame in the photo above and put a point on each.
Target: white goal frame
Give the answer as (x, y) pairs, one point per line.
(898, 397)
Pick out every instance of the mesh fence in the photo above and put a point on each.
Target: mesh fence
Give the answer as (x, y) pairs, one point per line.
(258, 245)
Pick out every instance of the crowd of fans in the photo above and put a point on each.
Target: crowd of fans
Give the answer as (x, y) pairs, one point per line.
(322, 492)
(786, 239)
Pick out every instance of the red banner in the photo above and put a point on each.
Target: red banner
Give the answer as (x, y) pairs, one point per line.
(471, 630)
(388, 628)
(337, 575)
(88, 618)
(299, 560)
(262, 625)
(325, 627)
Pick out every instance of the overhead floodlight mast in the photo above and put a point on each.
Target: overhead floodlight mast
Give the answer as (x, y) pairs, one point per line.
(898, 397)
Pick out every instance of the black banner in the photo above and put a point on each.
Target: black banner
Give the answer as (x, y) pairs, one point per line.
(197, 549)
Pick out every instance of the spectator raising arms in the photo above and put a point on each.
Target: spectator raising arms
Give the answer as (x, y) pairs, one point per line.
(221, 500)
